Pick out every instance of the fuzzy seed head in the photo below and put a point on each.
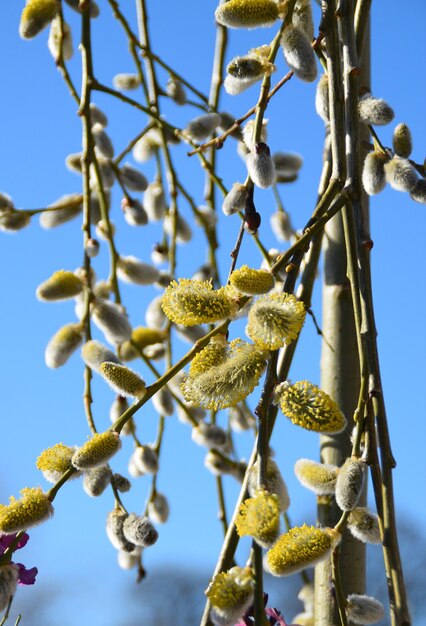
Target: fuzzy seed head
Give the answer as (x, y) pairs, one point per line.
(375, 111)
(402, 141)
(60, 286)
(97, 450)
(364, 609)
(400, 174)
(259, 517)
(300, 547)
(235, 199)
(275, 320)
(132, 270)
(55, 461)
(350, 481)
(139, 530)
(230, 594)
(227, 383)
(203, 126)
(114, 531)
(122, 379)
(154, 201)
(311, 408)
(252, 282)
(364, 525)
(260, 165)
(126, 82)
(63, 344)
(31, 509)
(8, 583)
(54, 41)
(94, 353)
(96, 480)
(318, 477)
(158, 509)
(192, 302)
(36, 15)
(274, 483)
(373, 172)
(112, 321)
(418, 194)
(247, 13)
(322, 104)
(132, 178)
(299, 53)
(145, 459)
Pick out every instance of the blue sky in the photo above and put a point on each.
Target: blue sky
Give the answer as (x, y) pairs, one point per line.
(39, 407)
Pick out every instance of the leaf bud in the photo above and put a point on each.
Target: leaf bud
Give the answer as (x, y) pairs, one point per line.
(299, 53)
(154, 202)
(8, 582)
(400, 174)
(364, 525)
(97, 450)
(192, 302)
(202, 127)
(209, 435)
(114, 531)
(322, 104)
(158, 509)
(31, 509)
(96, 480)
(362, 609)
(260, 165)
(373, 172)
(60, 286)
(308, 406)
(122, 379)
(54, 42)
(235, 199)
(250, 281)
(176, 91)
(402, 141)
(301, 547)
(230, 594)
(55, 461)
(126, 82)
(274, 483)
(132, 270)
(318, 477)
(139, 530)
(375, 111)
(63, 344)
(36, 15)
(145, 459)
(418, 194)
(112, 321)
(132, 178)
(350, 481)
(247, 13)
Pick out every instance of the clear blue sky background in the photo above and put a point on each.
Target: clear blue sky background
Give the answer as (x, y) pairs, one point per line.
(39, 407)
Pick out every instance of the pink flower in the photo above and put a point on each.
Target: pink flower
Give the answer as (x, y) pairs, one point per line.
(274, 616)
(25, 576)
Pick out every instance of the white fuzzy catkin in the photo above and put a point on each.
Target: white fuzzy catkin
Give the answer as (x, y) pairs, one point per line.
(96, 480)
(132, 178)
(127, 560)
(322, 104)
(8, 582)
(112, 321)
(132, 270)
(402, 141)
(191, 334)
(114, 531)
(299, 53)
(318, 477)
(163, 402)
(361, 609)
(158, 509)
(235, 199)
(154, 314)
(418, 194)
(274, 483)
(176, 91)
(63, 344)
(134, 213)
(349, 484)
(97, 116)
(94, 353)
(373, 172)
(235, 85)
(364, 525)
(281, 227)
(203, 126)
(126, 82)
(154, 202)
(260, 166)
(247, 132)
(209, 435)
(102, 141)
(139, 530)
(53, 42)
(375, 111)
(183, 231)
(400, 174)
(146, 459)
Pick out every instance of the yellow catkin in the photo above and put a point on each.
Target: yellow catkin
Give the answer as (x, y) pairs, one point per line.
(60, 286)
(300, 547)
(259, 517)
(36, 15)
(306, 405)
(31, 509)
(275, 320)
(252, 282)
(142, 336)
(318, 477)
(231, 593)
(97, 450)
(122, 379)
(247, 13)
(226, 384)
(55, 461)
(192, 302)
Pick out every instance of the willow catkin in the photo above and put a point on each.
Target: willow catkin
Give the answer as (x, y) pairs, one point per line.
(299, 53)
